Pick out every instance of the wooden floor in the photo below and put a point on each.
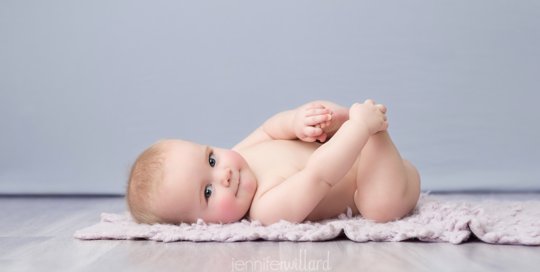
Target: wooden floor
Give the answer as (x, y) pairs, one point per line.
(36, 235)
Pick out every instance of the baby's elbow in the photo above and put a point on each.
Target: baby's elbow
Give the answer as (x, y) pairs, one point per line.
(270, 217)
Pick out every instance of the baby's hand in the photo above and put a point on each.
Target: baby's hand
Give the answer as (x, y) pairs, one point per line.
(369, 114)
(310, 122)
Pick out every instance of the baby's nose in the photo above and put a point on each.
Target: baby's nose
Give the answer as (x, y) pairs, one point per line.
(226, 178)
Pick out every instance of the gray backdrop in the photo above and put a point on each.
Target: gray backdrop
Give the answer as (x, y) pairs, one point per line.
(86, 86)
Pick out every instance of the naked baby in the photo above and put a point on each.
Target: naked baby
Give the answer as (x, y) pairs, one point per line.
(306, 164)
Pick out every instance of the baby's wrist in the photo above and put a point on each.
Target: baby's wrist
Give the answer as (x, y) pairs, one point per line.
(361, 123)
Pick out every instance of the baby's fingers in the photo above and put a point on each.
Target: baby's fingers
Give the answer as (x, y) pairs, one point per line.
(324, 125)
(314, 107)
(313, 112)
(317, 119)
(312, 131)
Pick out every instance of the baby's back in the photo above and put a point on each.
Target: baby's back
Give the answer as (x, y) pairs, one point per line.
(272, 162)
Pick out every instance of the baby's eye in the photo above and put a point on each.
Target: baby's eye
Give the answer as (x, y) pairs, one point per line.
(207, 191)
(212, 160)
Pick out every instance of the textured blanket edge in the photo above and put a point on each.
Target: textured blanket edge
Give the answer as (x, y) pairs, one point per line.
(431, 221)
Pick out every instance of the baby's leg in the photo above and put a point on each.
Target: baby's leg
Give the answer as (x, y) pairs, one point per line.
(388, 186)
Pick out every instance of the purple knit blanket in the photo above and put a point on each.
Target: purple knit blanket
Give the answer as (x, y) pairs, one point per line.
(497, 222)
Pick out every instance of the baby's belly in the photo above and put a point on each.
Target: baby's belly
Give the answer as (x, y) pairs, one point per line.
(283, 158)
(338, 198)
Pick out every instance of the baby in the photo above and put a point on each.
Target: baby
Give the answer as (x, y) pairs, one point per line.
(306, 164)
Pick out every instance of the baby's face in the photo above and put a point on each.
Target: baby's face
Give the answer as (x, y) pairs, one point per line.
(204, 182)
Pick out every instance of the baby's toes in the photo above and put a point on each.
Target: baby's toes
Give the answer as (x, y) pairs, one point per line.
(382, 108)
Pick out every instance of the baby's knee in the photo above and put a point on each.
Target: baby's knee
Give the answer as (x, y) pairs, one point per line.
(412, 191)
(382, 211)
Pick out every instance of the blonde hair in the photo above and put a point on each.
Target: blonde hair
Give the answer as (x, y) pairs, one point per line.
(144, 181)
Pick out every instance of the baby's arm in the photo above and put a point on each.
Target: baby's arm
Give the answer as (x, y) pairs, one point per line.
(295, 198)
(290, 124)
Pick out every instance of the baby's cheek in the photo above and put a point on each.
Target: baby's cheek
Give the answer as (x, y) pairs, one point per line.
(234, 157)
(227, 209)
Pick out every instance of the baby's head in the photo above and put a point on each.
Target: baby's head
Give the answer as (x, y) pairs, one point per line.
(175, 181)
